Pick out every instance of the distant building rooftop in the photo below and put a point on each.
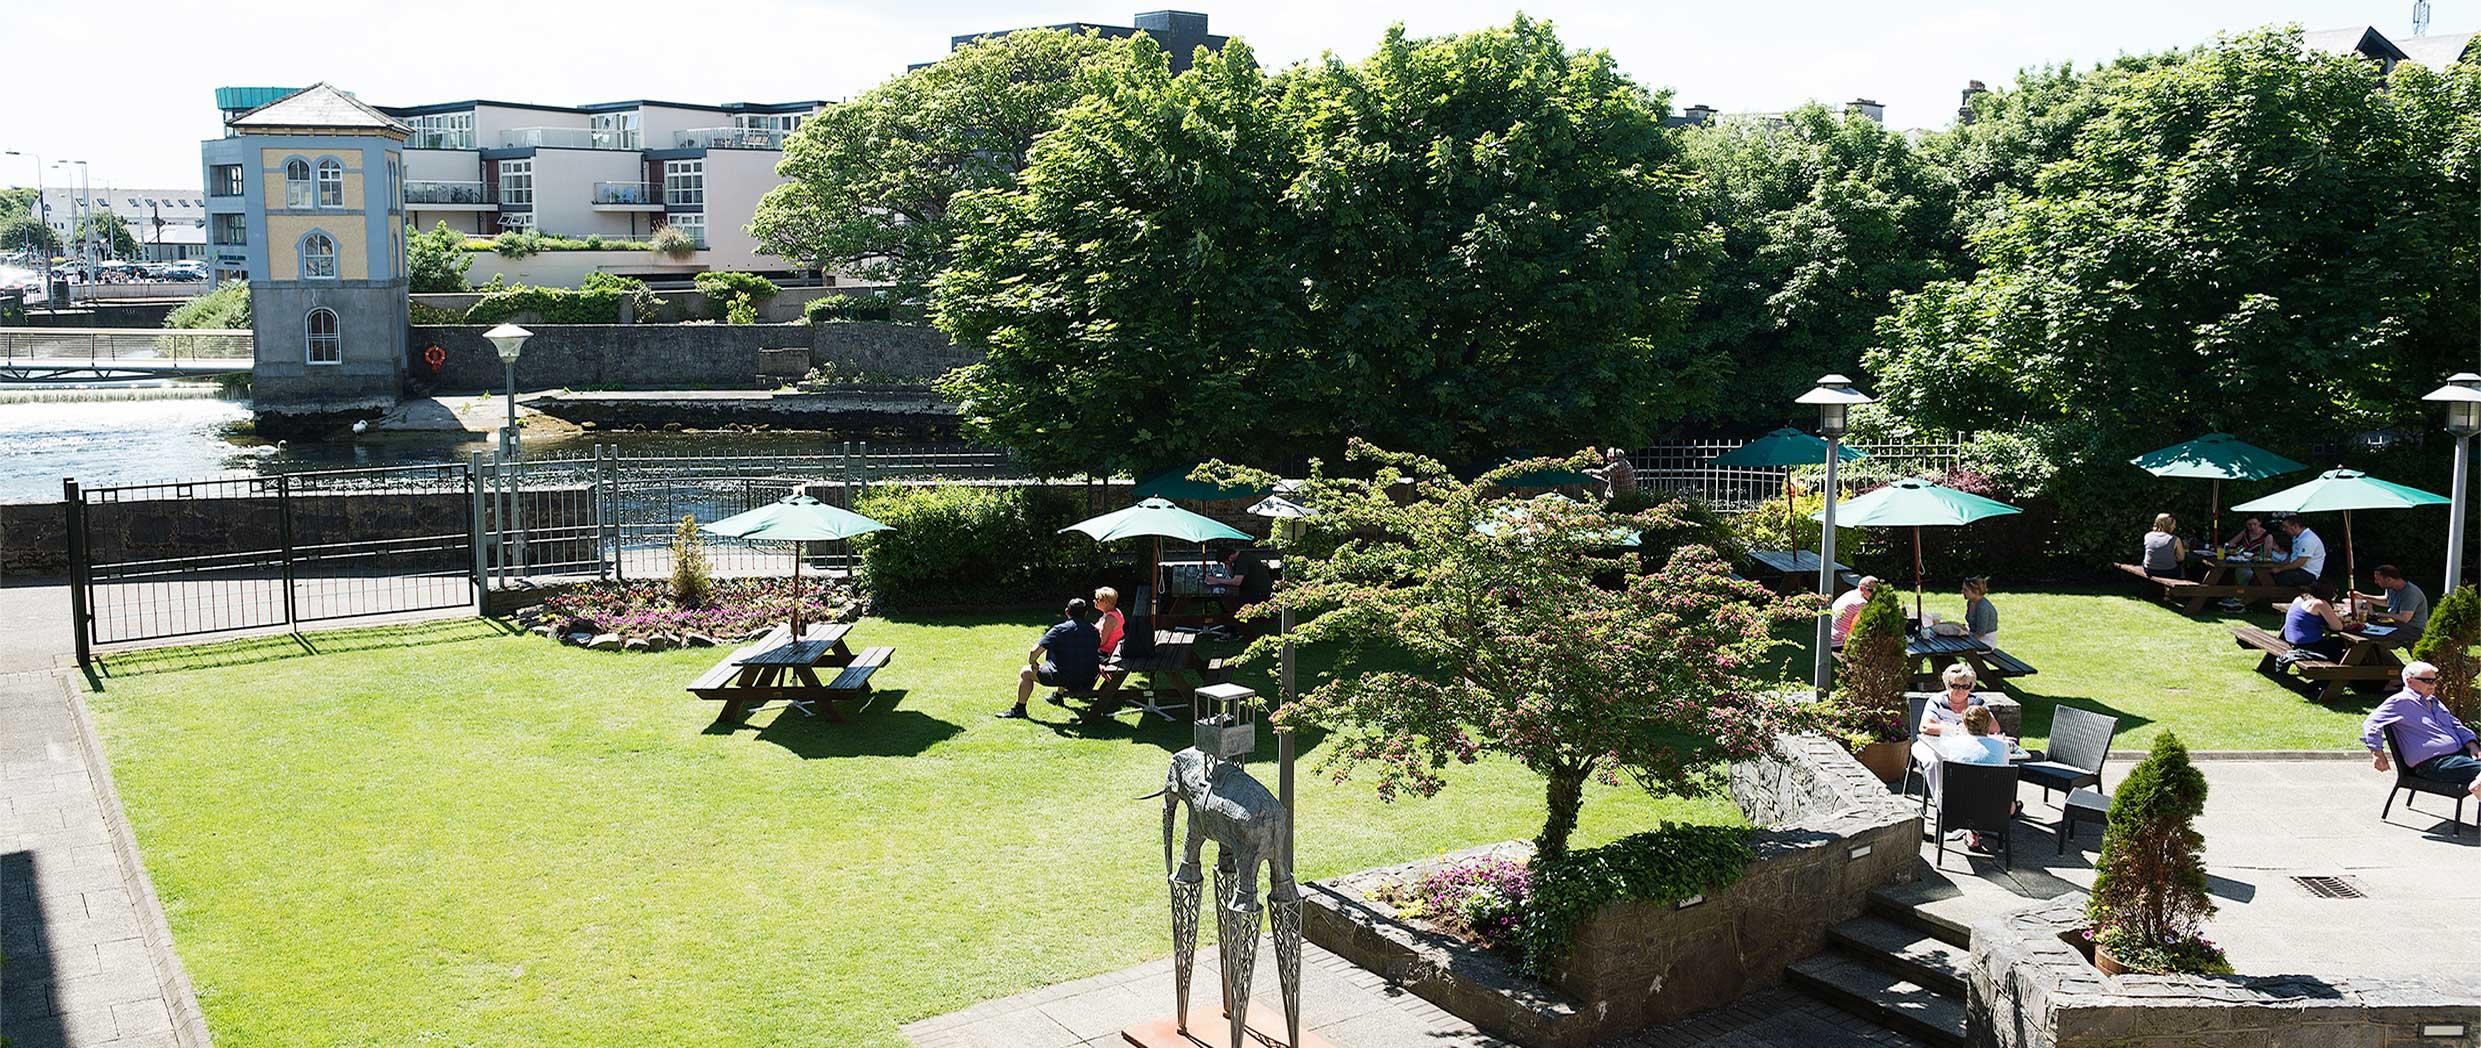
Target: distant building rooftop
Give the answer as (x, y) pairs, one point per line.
(2437, 52)
(1180, 32)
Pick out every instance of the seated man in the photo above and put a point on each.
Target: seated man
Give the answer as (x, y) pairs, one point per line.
(1848, 607)
(1069, 656)
(2307, 562)
(2436, 745)
(2407, 608)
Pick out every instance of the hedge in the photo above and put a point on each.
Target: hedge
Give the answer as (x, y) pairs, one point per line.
(596, 300)
(961, 546)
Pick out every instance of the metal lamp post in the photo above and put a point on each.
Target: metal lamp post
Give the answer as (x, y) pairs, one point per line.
(1835, 398)
(42, 217)
(2462, 396)
(79, 209)
(509, 340)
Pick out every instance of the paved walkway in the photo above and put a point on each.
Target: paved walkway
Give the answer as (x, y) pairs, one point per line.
(89, 962)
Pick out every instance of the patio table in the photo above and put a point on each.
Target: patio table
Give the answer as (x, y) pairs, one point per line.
(1797, 569)
(1173, 659)
(777, 667)
(1988, 663)
(2217, 583)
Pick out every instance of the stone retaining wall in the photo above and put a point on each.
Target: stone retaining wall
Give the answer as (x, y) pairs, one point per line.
(1831, 833)
(677, 356)
(2029, 988)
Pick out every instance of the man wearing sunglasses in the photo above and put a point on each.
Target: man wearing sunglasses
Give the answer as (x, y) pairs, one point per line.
(2437, 746)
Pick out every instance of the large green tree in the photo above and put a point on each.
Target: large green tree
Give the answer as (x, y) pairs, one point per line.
(437, 260)
(21, 232)
(2254, 239)
(1825, 217)
(868, 182)
(1458, 245)
(110, 235)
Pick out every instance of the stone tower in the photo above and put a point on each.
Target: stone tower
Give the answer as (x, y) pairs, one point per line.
(305, 197)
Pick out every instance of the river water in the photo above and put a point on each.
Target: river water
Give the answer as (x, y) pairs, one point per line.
(133, 437)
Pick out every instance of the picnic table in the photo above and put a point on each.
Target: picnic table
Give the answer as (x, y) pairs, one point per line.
(776, 667)
(1167, 674)
(1796, 570)
(1931, 653)
(2367, 659)
(2192, 594)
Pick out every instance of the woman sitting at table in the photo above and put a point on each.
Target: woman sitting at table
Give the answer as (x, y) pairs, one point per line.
(1981, 618)
(2164, 552)
(1945, 716)
(2310, 622)
(1108, 621)
(2253, 539)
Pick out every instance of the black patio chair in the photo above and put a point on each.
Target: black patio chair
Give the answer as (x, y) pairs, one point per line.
(1916, 707)
(2406, 781)
(1980, 798)
(2080, 740)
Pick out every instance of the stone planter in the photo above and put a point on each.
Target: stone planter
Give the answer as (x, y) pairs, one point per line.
(1885, 759)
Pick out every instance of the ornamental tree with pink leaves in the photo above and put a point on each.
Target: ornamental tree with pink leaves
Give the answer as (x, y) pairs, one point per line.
(1470, 622)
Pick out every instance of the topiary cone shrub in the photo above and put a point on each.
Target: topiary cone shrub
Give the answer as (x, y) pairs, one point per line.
(2454, 627)
(691, 579)
(2149, 903)
(1875, 673)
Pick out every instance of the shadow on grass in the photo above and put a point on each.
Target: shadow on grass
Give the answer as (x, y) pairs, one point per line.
(2040, 708)
(271, 648)
(879, 730)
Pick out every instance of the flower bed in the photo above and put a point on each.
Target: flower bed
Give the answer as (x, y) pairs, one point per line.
(1481, 898)
(643, 614)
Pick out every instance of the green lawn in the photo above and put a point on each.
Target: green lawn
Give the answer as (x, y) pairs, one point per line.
(444, 836)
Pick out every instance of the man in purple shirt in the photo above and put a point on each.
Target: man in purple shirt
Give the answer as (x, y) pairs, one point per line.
(2436, 745)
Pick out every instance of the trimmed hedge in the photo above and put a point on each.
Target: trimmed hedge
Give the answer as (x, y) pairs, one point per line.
(961, 546)
(828, 309)
(596, 300)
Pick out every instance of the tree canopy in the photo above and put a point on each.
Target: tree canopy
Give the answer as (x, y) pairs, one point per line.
(111, 235)
(1454, 244)
(869, 182)
(436, 260)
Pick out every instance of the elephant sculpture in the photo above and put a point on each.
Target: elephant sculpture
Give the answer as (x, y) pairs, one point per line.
(1249, 827)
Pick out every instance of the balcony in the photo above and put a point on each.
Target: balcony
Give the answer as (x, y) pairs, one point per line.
(626, 196)
(567, 138)
(729, 138)
(447, 196)
(463, 139)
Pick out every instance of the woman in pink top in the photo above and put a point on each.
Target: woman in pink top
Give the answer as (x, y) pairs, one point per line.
(1109, 621)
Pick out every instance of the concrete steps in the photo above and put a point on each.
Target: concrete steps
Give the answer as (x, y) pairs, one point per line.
(1895, 967)
(1904, 950)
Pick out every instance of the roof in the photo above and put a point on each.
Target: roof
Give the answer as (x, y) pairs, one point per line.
(801, 106)
(319, 107)
(2353, 40)
(2438, 52)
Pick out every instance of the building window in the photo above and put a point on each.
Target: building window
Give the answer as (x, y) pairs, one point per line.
(517, 182)
(684, 182)
(318, 257)
(321, 344)
(443, 131)
(786, 122)
(229, 230)
(331, 183)
(516, 221)
(615, 130)
(396, 187)
(693, 225)
(297, 183)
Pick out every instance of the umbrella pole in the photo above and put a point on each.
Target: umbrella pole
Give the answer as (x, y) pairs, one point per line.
(2351, 560)
(796, 591)
(1916, 573)
(1154, 578)
(2214, 538)
(1791, 524)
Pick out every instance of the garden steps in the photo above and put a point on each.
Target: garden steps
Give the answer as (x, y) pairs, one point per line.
(1903, 950)
(1899, 967)
(1880, 996)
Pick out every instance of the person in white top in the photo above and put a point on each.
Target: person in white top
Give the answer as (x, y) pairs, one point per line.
(2308, 556)
(1848, 607)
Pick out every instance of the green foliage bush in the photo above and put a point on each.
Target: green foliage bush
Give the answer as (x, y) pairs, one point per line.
(529, 242)
(597, 300)
(724, 292)
(422, 313)
(2447, 643)
(691, 580)
(1663, 866)
(877, 306)
(437, 260)
(2149, 902)
(959, 546)
(1875, 670)
(228, 306)
(672, 242)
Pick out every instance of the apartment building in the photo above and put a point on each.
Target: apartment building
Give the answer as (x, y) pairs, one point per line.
(618, 170)
(1180, 33)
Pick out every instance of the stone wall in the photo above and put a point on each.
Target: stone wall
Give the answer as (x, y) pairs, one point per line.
(1830, 832)
(675, 356)
(2029, 988)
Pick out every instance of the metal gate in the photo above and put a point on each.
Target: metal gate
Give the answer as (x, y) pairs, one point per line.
(154, 561)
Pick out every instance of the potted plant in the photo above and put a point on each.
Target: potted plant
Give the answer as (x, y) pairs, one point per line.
(2149, 903)
(1875, 671)
(2454, 629)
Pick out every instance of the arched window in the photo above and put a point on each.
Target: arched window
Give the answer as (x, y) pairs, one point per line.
(331, 183)
(318, 257)
(321, 344)
(297, 183)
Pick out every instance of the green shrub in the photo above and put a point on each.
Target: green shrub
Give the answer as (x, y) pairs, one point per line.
(959, 546)
(2149, 902)
(690, 578)
(517, 243)
(2447, 642)
(1695, 522)
(829, 309)
(420, 313)
(437, 260)
(671, 243)
(742, 310)
(721, 290)
(598, 299)
(1667, 865)
(228, 306)
(533, 242)
(1875, 671)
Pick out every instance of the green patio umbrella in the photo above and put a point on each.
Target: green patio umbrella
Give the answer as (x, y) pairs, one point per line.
(1158, 519)
(1174, 484)
(1784, 449)
(2217, 457)
(795, 519)
(2345, 490)
(1915, 503)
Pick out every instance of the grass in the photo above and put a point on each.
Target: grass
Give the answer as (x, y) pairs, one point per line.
(445, 835)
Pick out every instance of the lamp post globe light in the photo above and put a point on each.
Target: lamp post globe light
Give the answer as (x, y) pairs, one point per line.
(2462, 396)
(508, 340)
(1834, 398)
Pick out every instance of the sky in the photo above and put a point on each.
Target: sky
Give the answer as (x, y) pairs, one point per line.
(129, 88)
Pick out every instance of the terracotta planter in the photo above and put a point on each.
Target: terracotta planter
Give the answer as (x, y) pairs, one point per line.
(2103, 960)
(1885, 760)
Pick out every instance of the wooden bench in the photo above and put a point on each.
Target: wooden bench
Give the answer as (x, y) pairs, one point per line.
(2169, 589)
(743, 686)
(2001, 664)
(853, 681)
(2333, 676)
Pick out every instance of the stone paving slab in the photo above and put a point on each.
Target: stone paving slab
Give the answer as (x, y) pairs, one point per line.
(89, 963)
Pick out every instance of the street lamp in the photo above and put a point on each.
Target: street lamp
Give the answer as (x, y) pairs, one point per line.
(509, 340)
(42, 217)
(1835, 398)
(2462, 396)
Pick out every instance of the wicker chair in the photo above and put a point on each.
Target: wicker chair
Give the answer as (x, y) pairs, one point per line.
(1980, 798)
(2405, 781)
(2080, 740)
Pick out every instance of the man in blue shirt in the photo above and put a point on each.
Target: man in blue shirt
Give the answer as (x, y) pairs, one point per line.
(2435, 745)
(1069, 656)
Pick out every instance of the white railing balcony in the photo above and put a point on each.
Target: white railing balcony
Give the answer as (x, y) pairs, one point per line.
(441, 140)
(567, 138)
(625, 193)
(420, 191)
(729, 138)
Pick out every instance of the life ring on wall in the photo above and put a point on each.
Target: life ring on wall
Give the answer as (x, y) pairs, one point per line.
(435, 357)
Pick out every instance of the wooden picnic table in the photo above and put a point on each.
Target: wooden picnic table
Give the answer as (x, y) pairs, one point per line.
(1988, 663)
(1796, 569)
(1166, 671)
(2366, 659)
(776, 667)
(2192, 594)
